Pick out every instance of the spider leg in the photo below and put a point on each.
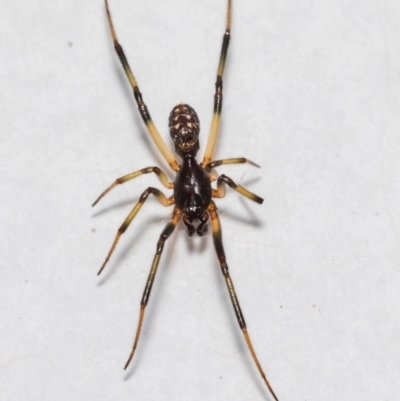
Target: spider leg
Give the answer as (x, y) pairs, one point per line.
(216, 119)
(151, 128)
(161, 198)
(219, 248)
(160, 174)
(220, 191)
(168, 230)
(231, 160)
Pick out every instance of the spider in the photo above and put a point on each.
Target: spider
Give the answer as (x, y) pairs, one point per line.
(193, 193)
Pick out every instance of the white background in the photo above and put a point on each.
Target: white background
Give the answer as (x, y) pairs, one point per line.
(312, 94)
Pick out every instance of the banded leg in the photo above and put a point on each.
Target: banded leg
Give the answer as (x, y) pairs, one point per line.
(168, 230)
(151, 128)
(161, 198)
(219, 248)
(220, 191)
(216, 119)
(232, 160)
(160, 174)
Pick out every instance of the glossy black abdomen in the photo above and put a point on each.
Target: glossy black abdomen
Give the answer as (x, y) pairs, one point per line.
(192, 190)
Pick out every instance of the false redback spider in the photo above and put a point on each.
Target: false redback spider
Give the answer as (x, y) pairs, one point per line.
(193, 193)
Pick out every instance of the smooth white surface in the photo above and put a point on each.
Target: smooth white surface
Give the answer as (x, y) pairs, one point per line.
(311, 94)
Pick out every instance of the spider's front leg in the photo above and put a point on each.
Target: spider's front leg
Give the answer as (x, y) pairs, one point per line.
(168, 230)
(160, 197)
(219, 248)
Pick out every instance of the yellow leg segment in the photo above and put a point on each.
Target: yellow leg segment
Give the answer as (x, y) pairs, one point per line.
(161, 198)
(168, 230)
(160, 174)
(216, 119)
(219, 248)
(231, 160)
(151, 128)
(220, 191)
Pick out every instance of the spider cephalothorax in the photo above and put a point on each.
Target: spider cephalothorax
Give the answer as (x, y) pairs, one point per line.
(184, 127)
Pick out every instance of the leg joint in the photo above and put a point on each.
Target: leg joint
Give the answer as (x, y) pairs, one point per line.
(160, 246)
(224, 267)
(168, 230)
(144, 112)
(147, 192)
(148, 170)
(227, 180)
(138, 95)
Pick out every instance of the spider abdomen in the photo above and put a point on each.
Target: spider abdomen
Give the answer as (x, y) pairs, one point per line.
(184, 128)
(192, 189)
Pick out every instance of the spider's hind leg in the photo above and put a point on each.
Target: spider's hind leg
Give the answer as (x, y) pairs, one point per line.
(143, 110)
(216, 119)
